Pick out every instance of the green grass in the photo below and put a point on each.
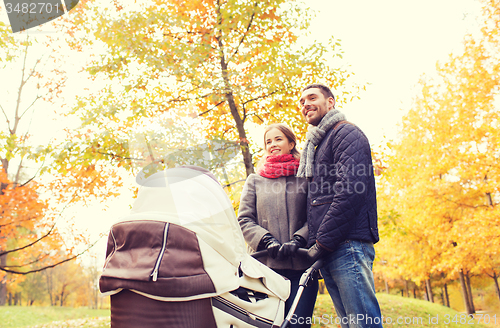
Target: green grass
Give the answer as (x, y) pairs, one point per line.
(416, 313)
(29, 316)
(400, 311)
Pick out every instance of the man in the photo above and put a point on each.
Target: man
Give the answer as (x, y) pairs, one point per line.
(341, 208)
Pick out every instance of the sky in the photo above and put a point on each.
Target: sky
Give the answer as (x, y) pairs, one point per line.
(388, 44)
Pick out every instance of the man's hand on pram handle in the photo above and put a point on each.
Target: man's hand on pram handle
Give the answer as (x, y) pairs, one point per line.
(290, 247)
(316, 252)
(271, 244)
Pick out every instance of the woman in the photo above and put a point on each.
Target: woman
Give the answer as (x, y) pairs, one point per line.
(272, 215)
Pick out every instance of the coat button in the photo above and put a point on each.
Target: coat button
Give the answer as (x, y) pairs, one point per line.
(314, 201)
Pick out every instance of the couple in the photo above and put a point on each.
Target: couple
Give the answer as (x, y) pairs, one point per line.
(325, 201)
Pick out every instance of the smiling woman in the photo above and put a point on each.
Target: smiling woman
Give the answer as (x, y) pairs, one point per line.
(272, 213)
(277, 143)
(279, 139)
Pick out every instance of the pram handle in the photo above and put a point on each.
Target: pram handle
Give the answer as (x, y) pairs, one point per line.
(259, 254)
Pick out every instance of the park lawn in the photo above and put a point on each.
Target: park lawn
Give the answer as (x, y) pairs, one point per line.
(400, 311)
(410, 312)
(29, 316)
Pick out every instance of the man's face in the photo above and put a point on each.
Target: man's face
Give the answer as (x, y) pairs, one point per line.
(314, 106)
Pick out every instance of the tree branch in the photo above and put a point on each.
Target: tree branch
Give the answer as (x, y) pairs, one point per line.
(51, 228)
(37, 97)
(232, 183)
(257, 98)
(6, 117)
(121, 157)
(16, 223)
(34, 176)
(471, 206)
(18, 103)
(263, 96)
(30, 244)
(205, 112)
(244, 34)
(39, 258)
(49, 266)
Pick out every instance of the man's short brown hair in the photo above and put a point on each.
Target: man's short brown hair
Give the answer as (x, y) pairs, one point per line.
(323, 88)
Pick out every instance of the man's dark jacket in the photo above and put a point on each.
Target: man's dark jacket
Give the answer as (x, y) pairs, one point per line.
(342, 201)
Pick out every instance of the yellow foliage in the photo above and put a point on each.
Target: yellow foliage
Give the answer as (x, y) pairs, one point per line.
(439, 198)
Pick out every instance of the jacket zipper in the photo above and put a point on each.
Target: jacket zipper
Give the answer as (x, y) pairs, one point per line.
(160, 256)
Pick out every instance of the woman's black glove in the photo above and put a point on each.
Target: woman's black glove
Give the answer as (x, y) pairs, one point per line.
(290, 247)
(271, 244)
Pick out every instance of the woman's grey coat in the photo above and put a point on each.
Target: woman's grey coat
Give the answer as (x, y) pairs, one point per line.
(277, 206)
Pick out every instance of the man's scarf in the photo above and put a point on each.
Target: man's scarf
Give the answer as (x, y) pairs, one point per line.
(314, 137)
(279, 166)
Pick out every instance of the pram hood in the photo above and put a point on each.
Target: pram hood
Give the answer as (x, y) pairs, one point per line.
(189, 198)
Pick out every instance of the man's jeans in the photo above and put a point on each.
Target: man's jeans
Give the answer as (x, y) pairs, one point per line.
(349, 280)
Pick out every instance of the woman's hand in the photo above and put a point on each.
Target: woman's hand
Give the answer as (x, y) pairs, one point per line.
(271, 244)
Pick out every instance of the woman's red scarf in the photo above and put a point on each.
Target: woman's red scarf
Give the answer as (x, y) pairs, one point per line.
(279, 166)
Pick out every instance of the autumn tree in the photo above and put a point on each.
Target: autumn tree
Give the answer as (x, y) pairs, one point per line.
(64, 281)
(32, 289)
(34, 190)
(227, 63)
(443, 178)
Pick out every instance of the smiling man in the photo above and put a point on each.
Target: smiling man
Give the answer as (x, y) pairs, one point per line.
(341, 207)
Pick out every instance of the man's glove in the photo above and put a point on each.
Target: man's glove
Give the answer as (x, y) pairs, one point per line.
(271, 244)
(290, 247)
(316, 252)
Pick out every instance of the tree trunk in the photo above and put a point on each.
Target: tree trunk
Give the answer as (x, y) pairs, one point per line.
(386, 286)
(228, 92)
(429, 290)
(497, 288)
(48, 277)
(465, 293)
(61, 301)
(446, 296)
(3, 284)
(414, 292)
(469, 291)
(407, 288)
(321, 287)
(3, 258)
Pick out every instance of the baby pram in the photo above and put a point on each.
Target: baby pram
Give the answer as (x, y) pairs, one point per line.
(179, 260)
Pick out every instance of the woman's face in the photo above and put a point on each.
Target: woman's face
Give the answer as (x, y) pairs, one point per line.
(277, 143)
